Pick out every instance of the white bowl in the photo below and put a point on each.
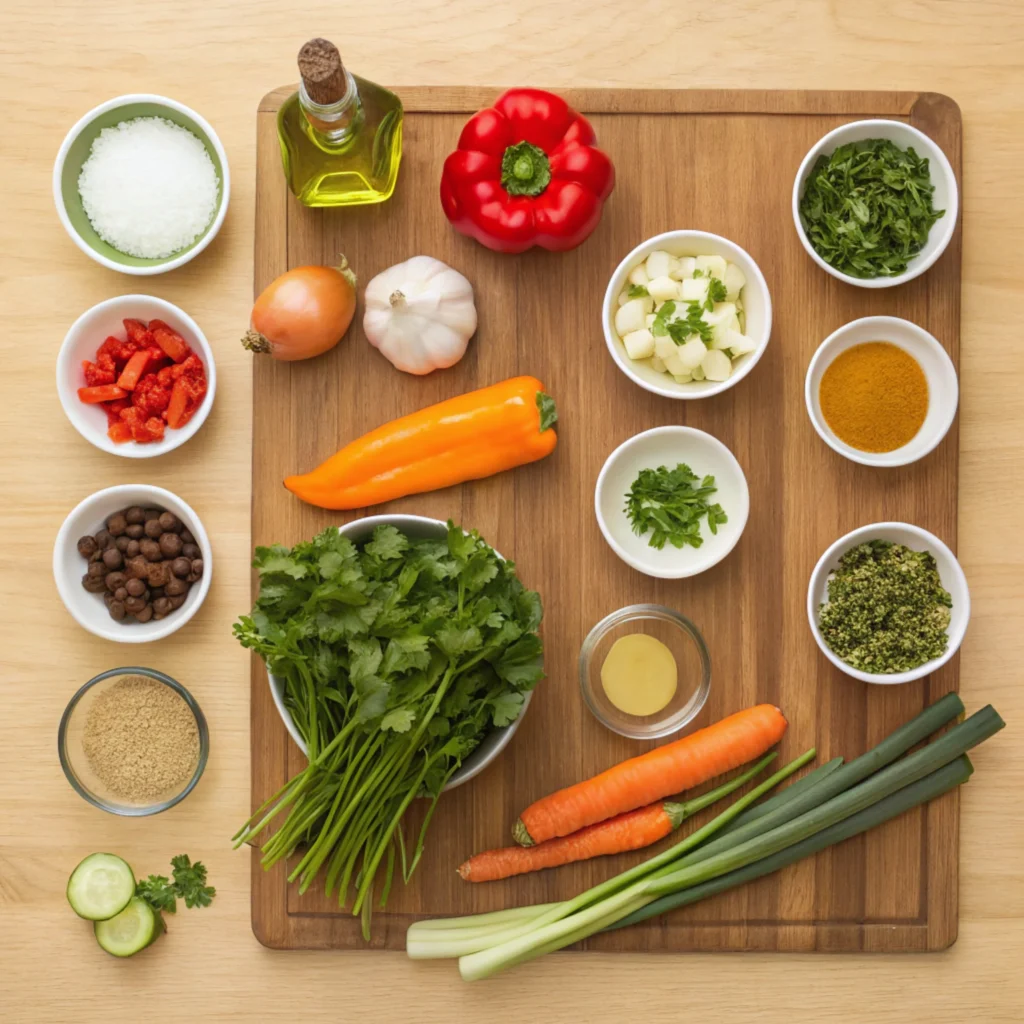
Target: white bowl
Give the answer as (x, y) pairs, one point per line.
(86, 335)
(496, 740)
(945, 197)
(950, 573)
(87, 519)
(668, 446)
(74, 151)
(943, 389)
(757, 306)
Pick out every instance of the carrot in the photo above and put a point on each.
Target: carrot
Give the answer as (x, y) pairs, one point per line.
(133, 370)
(173, 344)
(658, 773)
(177, 406)
(101, 393)
(630, 831)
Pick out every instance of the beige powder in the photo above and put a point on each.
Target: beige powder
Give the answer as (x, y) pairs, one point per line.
(141, 740)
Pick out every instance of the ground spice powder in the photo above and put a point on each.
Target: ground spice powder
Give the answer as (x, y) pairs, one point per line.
(874, 397)
(141, 739)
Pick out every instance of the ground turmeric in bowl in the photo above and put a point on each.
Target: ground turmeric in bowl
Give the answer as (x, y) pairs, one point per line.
(874, 397)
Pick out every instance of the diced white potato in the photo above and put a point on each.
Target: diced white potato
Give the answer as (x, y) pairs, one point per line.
(720, 333)
(657, 364)
(639, 344)
(685, 266)
(674, 364)
(692, 353)
(721, 314)
(698, 373)
(662, 289)
(712, 266)
(733, 281)
(630, 317)
(638, 275)
(659, 264)
(623, 298)
(664, 347)
(649, 320)
(648, 304)
(716, 365)
(682, 378)
(740, 344)
(695, 289)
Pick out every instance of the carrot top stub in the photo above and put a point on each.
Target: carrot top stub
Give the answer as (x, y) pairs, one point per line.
(642, 780)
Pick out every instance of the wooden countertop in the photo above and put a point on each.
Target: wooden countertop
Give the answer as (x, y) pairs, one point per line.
(58, 62)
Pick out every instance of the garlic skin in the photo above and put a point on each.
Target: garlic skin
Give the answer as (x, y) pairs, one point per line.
(420, 314)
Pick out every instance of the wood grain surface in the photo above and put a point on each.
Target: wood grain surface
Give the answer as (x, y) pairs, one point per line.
(894, 889)
(61, 59)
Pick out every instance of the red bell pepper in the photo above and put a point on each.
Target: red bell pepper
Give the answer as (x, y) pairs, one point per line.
(526, 173)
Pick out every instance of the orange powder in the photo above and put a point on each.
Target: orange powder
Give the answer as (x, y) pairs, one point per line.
(874, 397)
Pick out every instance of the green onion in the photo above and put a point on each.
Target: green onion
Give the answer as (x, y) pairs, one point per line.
(941, 781)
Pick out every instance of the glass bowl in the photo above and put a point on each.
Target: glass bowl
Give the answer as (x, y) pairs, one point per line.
(681, 637)
(76, 765)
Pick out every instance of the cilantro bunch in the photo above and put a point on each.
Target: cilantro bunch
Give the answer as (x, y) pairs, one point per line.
(867, 208)
(397, 658)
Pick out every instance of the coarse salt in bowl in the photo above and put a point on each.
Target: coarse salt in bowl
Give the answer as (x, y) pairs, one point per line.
(75, 151)
(86, 335)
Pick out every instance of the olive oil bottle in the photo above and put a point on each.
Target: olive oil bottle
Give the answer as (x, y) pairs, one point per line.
(340, 135)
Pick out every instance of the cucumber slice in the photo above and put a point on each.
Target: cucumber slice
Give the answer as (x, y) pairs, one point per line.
(130, 932)
(100, 887)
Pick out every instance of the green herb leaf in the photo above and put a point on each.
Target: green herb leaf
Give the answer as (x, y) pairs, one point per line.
(399, 720)
(666, 504)
(190, 881)
(716, 293)
(637, 291)
(681, 328)
(548, 412)
(506, 708)
(158, 892)
(867, 208)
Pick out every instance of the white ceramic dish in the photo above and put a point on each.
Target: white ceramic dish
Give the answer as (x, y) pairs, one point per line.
(668, 446)
(943, 389)
(74, 151)
(86, 335)
(492, 744)
(87, 518)
(757, 305)
(946, 196)
(914, 537)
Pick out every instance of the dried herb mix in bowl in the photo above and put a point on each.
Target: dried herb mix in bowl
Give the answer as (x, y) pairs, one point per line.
(887, 610)
(867, 208)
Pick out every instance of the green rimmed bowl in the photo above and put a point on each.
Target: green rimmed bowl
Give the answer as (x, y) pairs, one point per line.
(73, 153)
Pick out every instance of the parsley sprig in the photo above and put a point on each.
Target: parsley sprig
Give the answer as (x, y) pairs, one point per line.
(665, 503)
(867, 209)
(189, 884)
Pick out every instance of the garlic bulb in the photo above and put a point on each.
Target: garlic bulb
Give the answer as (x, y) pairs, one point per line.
(420, 314)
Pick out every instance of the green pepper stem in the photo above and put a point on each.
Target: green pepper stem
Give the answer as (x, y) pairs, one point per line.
(525, 170)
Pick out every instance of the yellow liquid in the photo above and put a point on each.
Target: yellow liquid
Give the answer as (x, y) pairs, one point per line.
(639, 675)
(361, 169)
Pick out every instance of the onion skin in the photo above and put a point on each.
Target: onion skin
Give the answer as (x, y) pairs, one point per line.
(303, 313)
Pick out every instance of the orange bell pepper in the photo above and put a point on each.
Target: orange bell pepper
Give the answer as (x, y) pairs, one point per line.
(465, 438)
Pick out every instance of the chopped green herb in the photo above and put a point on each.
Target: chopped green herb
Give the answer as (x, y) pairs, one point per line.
(189, 884)
(887, 610)
(867, 209)
(679, 329)
(637, 291)
(698, 273)
(665, 503)
(716, 293)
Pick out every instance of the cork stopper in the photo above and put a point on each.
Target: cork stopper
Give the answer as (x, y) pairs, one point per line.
(323, 74)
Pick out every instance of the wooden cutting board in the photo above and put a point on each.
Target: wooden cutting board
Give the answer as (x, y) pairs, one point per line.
(718, 161)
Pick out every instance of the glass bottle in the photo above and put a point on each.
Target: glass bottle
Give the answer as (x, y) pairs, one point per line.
(340, 135)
